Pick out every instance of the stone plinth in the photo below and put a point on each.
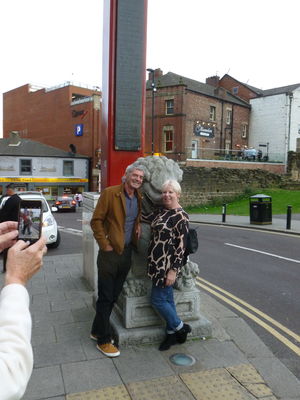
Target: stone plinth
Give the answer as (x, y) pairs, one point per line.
(155, 333)
(133, 319)
(137, 311)
(90, 247)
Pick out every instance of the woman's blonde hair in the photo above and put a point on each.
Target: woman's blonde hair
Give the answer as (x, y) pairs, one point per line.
(174, 185)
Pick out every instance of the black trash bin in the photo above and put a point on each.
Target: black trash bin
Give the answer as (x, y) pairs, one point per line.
(260, 209)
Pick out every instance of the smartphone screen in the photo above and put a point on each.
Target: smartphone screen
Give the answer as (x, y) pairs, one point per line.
(30, 220)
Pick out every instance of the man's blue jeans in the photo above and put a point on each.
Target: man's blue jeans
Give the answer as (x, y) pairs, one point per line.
(162, 300)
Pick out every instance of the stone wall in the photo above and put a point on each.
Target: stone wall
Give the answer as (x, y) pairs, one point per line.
(201, 185)
(293, 166)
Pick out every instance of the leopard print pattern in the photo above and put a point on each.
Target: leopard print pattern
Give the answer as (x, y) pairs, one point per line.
(169, 230)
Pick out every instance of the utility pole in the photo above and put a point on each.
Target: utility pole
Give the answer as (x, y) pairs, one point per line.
(152, 113)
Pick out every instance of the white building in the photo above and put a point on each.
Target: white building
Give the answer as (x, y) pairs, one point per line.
(31, 165)
(275, 122)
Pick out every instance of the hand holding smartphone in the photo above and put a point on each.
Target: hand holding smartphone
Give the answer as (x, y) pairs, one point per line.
(30, 220)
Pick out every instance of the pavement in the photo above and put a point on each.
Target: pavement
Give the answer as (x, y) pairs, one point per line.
(233, 364)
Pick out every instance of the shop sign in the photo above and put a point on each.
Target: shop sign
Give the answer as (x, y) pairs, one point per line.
(204, 130)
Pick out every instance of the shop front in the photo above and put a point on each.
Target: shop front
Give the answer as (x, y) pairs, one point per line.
(50, 187)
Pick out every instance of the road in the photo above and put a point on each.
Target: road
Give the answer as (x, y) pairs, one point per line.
(262, 271)
(70, 227)
(254, 273)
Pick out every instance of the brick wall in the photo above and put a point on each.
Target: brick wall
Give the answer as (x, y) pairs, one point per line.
(243, 92)
(46, 116)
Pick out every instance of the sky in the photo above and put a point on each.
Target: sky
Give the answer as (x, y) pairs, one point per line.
(49, 42)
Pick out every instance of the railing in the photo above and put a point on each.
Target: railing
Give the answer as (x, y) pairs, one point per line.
(248, 155)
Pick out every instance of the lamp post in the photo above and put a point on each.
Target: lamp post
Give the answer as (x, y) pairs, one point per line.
(152, 114)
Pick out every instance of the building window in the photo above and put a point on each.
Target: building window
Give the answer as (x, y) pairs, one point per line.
(25, 167)
(169, 106)
(168, 139)
(68, 168)
(235, 90)
(212, 113)
(228, 116)
(244, 131)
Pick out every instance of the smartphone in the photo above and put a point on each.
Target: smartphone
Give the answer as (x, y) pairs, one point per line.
(30, 220)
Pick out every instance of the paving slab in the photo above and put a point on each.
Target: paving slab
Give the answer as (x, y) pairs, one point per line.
(167, 388)
(279, 378)
(90, 375)
(141, 363)
(45, 382)
(73, 331)
(58, 353)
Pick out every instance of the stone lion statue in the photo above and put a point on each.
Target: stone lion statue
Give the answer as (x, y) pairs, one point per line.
(157, 169)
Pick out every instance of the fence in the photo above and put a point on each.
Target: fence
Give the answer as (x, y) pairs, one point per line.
(247, 155)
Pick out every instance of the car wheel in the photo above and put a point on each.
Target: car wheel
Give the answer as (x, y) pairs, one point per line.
(57, 243)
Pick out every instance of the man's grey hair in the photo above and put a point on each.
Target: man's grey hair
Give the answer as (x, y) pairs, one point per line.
(132, 167)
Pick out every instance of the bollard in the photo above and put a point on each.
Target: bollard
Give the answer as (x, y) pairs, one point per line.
(288, 217)
(224, 213)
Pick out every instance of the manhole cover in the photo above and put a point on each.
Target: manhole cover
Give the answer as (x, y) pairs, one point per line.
(182, 359)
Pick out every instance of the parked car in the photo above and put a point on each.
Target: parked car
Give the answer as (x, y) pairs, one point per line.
(49, 228)
(65, 203)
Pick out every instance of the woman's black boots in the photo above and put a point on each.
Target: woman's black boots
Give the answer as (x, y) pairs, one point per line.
(169, 341)
(177, 337)
(182, 333)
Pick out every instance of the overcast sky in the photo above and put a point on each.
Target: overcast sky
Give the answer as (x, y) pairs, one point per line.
(48, 42)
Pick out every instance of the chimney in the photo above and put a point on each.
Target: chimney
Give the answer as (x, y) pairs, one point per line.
(14, 138)
(213, 80)
(157, 74)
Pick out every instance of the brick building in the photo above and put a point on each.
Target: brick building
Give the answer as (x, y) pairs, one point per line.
(61, 116)
(274, 123)
(237, 88)
(192, 119)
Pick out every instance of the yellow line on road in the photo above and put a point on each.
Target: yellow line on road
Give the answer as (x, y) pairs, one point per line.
(254, 318)
(254, 309)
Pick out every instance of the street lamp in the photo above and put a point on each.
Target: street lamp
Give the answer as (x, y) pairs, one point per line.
(152, 116)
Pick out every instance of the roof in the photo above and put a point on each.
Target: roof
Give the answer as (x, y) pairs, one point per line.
(31, 148)
(252, 88)
(268, 92)
(281, 90)
(172, 79)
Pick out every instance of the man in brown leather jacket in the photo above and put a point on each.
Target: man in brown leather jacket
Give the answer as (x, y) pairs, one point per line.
(115, 224)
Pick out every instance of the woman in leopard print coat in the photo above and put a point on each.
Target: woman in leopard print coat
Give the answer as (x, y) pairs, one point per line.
(166, 257)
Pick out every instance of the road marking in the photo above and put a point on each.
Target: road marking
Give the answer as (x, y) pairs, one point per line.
(70, 230)
(263, 252)
(254, 318)
(254, 309)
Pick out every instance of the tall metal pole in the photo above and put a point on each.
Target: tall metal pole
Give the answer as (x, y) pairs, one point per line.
(152, 114)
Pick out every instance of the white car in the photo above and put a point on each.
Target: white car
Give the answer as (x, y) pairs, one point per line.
(49, 228)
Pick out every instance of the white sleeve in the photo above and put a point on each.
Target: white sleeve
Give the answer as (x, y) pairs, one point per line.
(16, 358)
